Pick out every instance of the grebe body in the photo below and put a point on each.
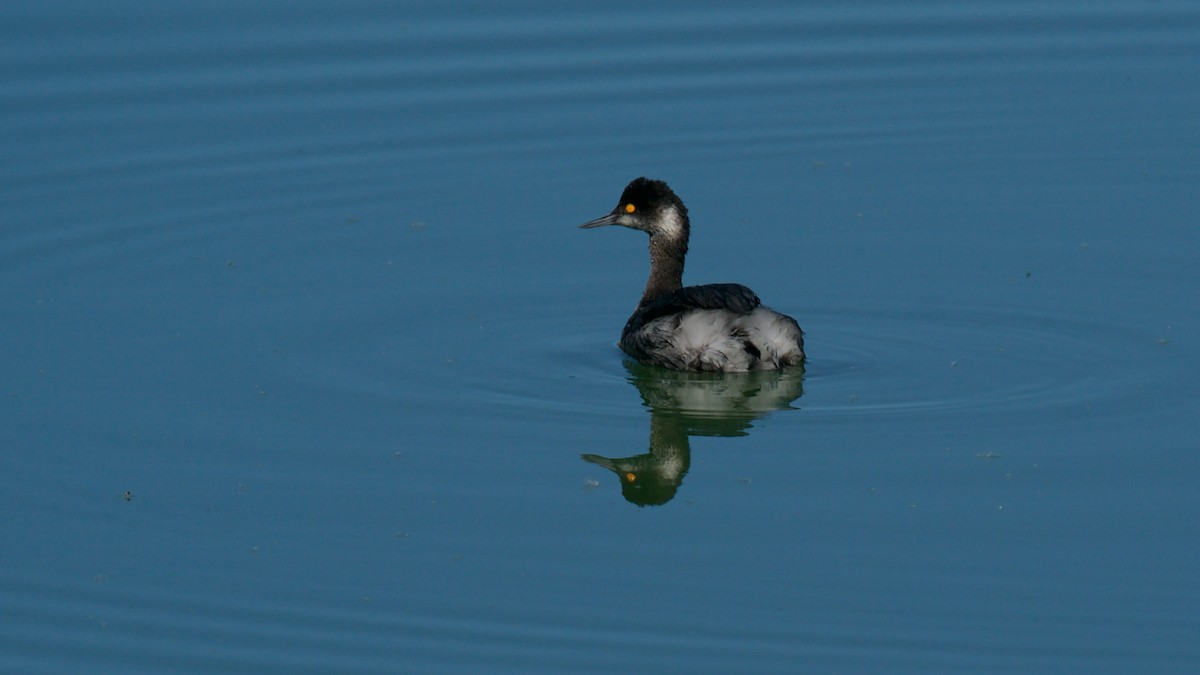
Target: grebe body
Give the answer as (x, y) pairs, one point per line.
(714, 327)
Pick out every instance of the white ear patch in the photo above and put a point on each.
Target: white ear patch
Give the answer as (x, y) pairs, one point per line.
(670, 223)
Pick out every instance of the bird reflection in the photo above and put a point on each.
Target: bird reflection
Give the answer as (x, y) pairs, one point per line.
(684, 404)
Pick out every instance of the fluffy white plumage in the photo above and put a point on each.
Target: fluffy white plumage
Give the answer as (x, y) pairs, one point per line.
(716, 339)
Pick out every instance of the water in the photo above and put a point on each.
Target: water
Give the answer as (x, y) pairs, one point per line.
(302, 348)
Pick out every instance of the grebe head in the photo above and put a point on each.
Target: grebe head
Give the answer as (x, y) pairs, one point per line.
(650, 206)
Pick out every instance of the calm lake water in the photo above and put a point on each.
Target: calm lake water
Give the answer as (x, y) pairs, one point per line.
(307, 369)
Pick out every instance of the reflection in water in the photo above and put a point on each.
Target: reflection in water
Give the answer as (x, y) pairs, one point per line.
(684, 404)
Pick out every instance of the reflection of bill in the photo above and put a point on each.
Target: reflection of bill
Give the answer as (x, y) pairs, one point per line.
(684, 404)
(653, 478)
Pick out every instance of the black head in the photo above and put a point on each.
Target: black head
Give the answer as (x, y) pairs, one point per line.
(645, 481)
(650, 206)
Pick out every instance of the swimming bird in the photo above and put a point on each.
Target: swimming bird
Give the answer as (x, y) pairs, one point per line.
(714, 327)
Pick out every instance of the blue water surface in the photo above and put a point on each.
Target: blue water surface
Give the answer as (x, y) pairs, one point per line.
(306, 367)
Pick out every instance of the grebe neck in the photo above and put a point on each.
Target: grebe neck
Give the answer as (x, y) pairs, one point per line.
(666, 267)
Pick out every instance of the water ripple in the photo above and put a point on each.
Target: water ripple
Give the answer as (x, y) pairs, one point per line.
(1002, 363)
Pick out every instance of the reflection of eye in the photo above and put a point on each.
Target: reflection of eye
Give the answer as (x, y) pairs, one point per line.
(631, 476)
(630, 208)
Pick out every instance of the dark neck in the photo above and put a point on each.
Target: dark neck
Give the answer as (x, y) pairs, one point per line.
(666, 267)
(668, 435)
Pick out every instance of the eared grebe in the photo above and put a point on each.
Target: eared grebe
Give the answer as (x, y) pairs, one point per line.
(719, 327)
